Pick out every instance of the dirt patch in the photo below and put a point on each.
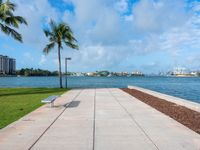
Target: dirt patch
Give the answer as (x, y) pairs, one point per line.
(184, 115)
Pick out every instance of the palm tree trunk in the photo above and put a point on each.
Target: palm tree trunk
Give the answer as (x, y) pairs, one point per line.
(60, 72)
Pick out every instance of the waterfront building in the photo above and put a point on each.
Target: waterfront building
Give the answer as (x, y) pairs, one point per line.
(194, 73)
(180, 71)
(7, 65)
(91, 74)
(137, 73)
(79, 74)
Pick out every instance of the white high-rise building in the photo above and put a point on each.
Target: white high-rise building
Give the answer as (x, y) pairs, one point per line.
(7, 65)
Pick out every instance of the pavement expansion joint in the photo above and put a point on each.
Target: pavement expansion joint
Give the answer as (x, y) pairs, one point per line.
(53, 122)
(133, 119)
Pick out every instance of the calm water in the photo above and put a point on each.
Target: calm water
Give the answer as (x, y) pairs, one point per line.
(187, 88)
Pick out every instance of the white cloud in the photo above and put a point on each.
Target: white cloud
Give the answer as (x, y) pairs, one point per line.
(26, 60)
(28, 56)
(157, 16)
(36, 13)
(152, 26)
(97, 57)
(43, 60)
(122, 6)
(107, 30)
(86, 12)
(109, 39)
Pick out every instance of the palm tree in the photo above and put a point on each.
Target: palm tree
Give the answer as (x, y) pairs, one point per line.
(57, 35)
(8, 20)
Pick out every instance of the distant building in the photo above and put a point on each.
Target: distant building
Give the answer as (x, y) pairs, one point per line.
(137, 73)
(91, 74)
(79, 74)
(7, 65)
(194, 73)
(182, 72)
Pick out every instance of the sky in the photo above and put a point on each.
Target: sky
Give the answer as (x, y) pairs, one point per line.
(116, 35)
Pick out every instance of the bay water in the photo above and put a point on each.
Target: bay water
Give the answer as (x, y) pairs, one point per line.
(183, 87)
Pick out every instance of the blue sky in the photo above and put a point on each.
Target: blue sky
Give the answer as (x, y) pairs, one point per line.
(116, 35)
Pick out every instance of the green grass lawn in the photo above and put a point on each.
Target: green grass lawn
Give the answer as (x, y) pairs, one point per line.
(17, 102)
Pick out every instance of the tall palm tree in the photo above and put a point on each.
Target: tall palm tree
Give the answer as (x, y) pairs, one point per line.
(8, 21)
(57, 35)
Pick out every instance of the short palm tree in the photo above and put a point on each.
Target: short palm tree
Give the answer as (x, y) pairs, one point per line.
(59, 34)
(8, 20)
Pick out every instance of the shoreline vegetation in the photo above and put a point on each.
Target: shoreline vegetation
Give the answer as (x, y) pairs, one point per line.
(40, 72)
(35, 72)
(17, 102)
(30, 72)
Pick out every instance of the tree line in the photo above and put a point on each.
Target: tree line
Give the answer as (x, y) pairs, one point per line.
(35, 72)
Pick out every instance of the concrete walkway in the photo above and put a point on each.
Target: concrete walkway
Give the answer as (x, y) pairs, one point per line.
(98, 119)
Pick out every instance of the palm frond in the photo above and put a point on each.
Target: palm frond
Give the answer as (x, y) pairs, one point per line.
(53, 39)
(8, 20)
(20, 20)
(49, 47)
(7, 6)
(1, 26)
(10, 5)
(11, 21)
(70, 37)
(9, 31)
(65, 27)
(15, 21)
(53, 25)
(47, 33)
(72, 45)
(59, 34)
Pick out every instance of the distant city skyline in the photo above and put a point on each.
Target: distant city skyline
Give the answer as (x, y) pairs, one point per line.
(151, 36)
(176, 71)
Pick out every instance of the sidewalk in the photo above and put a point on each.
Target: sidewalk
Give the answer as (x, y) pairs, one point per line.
(98, 119)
